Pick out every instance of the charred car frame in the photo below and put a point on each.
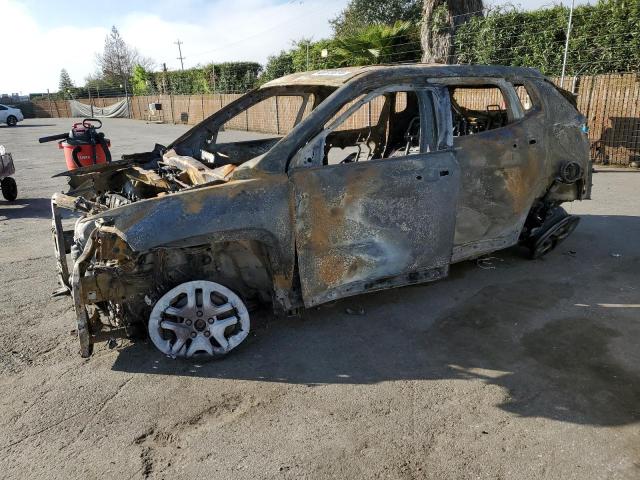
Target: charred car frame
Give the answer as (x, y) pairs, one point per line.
(185, 240)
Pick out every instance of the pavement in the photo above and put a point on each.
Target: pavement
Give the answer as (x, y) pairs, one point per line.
(508, 369)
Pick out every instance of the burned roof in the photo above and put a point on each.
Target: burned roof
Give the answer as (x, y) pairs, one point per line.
(337, 77)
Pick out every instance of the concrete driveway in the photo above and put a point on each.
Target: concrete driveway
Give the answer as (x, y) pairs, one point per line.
(509, 369)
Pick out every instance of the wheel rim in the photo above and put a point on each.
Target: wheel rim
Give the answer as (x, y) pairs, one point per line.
(554, 236)
(565, 230)
(12, 121)
(545, 247)
(198, 318)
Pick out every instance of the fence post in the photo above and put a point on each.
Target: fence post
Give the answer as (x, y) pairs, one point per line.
(126, 96)
(171, 102)
(90, 101)
(566, 45)
(50, 106)
(277, 117)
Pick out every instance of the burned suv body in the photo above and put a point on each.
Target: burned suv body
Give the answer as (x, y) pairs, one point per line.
(386, 176)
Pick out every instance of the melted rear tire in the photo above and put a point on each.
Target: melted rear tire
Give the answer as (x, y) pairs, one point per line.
(554, 231)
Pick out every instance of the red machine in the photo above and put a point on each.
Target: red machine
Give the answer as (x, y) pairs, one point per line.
(83, 145)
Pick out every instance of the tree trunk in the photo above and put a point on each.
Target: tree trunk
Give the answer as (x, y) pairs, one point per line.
(440, 19)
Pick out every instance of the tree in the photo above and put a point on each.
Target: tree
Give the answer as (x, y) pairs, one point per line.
(101, 86)
(376, 44)
(360, 14)
(440, 19)
(65, 81)
(140, 81)
(277, 66)
(117, 61)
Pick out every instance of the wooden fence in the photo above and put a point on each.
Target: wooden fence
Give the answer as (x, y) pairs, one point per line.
(610, 102)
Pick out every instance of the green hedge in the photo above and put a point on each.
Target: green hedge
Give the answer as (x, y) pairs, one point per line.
(605, 38)
(229, 77)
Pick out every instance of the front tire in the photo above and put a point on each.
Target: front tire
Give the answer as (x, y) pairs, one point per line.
(12, 120)
(9, 189)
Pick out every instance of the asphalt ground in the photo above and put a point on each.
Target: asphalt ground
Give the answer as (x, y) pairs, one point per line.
(509, 369)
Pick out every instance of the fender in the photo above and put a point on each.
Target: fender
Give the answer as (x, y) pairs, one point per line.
(258, 209)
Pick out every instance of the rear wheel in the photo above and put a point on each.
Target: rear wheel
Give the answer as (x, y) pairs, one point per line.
(553, 234)
(9, 189)
(12, 121)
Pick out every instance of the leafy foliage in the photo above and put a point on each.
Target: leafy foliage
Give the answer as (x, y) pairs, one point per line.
(377, 44)
(360, 14)
(374, 44)
(605, 38)
(278, 66)
(140, 81)
(220, 77)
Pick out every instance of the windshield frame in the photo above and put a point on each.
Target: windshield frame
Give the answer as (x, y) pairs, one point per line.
(191, 142)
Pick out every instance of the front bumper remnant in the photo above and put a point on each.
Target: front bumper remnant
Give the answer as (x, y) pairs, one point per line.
(60, 246)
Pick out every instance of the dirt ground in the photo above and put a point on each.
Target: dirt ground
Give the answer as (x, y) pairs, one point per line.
(521, 369)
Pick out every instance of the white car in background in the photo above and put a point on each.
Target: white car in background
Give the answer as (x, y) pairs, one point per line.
(10, 115)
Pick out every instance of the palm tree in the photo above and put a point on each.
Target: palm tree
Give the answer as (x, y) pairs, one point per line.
(377, 44)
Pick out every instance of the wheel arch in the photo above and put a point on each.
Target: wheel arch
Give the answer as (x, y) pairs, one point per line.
(250, 261)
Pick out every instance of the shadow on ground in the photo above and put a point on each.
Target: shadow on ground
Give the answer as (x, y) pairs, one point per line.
(25, 208)
(29, 125)
(524, 332)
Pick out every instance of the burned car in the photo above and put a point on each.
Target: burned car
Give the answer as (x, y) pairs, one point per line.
(377, 177)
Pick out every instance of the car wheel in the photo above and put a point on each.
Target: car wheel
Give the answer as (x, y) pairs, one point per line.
(554, 235)
(9, 189)
(198, 318)
(12, 121)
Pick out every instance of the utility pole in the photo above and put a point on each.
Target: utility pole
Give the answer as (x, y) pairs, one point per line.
(308, 43)
(213, 76)
(566, 45)
(50, 104)
(181, 58)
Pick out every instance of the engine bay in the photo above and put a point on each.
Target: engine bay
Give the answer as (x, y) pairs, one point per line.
(138, 177)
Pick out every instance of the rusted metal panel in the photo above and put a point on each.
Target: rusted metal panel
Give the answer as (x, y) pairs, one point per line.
(362, 223)
(246, 212)
(257, 209)
(60, 247)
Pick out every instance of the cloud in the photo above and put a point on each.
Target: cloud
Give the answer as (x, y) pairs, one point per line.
(32, 59)
(219, 31)
(242, 30)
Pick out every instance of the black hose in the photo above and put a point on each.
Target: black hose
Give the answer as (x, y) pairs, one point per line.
(74, 156)
(51, 138)
(105, 147)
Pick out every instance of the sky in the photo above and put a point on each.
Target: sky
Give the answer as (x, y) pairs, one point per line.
(46, 36)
